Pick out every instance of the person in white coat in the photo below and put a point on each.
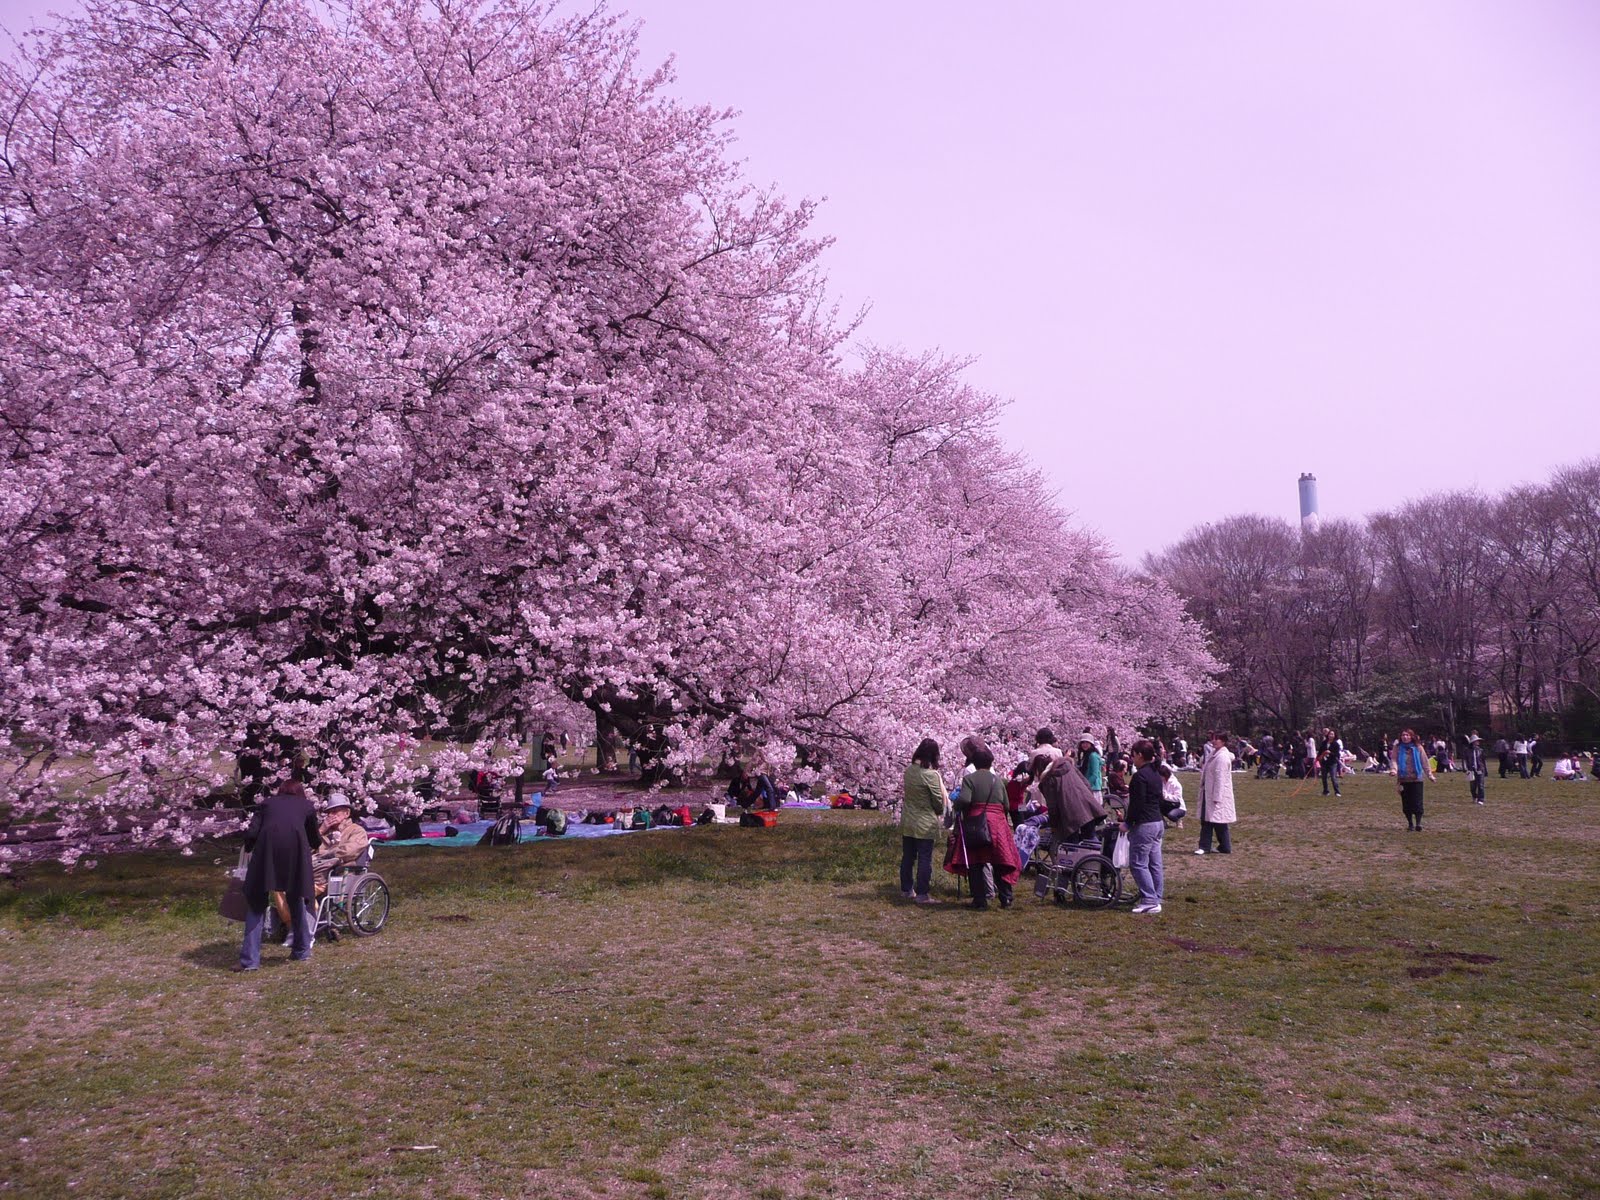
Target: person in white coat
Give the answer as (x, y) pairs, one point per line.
(1216, 797)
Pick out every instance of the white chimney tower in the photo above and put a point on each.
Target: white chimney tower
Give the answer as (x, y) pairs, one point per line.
(1309, 520)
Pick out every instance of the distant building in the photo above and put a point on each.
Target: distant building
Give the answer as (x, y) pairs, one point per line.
(1309, 519)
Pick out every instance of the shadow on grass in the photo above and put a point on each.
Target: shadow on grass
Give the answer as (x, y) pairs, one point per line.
(851, 850)
(216, 956)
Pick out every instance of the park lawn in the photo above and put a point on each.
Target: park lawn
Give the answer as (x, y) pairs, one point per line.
(1341, 1008)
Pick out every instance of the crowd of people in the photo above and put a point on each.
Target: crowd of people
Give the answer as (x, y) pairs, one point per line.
(995, 826)
(1325, 756)
(1053, 796)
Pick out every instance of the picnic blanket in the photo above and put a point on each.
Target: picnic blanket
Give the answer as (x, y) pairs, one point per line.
(529, 831)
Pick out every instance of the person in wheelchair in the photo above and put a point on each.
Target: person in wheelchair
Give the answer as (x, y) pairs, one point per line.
(344, 841)
(1075, 812)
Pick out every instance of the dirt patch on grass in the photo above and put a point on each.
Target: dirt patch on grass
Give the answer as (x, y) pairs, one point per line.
(1333, 951)
(1460, 956)
(1195, 947)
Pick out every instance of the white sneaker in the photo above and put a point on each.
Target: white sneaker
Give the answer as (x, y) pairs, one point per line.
(1148, 910)
(1141, 908)
(1199, 851)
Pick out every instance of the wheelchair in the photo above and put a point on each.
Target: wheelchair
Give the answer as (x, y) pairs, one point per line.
(1079, 871)
(357, 899)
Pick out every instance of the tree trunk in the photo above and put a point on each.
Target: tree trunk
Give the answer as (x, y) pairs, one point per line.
(605, 742)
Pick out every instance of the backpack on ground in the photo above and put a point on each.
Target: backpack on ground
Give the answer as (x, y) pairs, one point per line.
(502, 833)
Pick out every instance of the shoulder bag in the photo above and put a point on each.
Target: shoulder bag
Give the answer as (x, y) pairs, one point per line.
(975, 825)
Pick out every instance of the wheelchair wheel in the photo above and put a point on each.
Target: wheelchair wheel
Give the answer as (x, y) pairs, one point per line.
(366, 904)
(1095, 882)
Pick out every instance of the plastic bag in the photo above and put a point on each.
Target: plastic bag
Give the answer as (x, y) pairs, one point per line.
(1119, 852)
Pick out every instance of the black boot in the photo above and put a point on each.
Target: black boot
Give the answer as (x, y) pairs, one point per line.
(980, 888)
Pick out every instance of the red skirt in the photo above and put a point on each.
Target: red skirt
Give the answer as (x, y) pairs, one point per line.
(1001, 853)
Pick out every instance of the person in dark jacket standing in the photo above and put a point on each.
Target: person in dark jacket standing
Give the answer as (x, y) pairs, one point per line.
(282, 834)
(1477, 766)
(1331, 760)
(1145, 826)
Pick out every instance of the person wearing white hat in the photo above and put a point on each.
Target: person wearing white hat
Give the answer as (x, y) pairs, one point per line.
(1477, 766)
(1093, 765)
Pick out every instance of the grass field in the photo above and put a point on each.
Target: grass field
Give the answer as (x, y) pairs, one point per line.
(1341, 1008)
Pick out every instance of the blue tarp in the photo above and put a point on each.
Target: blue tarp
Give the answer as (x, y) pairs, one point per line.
(472, 832)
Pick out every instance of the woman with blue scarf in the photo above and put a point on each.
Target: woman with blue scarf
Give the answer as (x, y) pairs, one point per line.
(1410, 767)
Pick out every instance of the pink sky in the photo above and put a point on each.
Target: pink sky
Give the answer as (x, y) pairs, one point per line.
(1202, 247)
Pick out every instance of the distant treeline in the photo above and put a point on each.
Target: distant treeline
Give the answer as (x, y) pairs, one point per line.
(1454, 612)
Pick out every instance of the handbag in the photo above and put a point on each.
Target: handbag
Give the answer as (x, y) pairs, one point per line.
(1119, 852)
(233, 905)
(975, 826)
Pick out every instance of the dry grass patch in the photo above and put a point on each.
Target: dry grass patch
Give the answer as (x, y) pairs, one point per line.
(739, 1013)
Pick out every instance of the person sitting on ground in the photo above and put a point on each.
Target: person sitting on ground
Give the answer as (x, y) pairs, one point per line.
(751, 791)
(343, 841)
(1565, 768)
(1172, 792)
(766, 792)
(1117, 778)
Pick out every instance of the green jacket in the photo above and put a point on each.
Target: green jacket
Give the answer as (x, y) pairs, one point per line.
(922, 813)
(1094, 771)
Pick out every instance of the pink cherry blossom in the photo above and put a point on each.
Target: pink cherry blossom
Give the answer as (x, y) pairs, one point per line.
(384, 371)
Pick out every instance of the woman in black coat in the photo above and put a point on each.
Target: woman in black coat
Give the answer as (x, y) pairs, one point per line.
(282, 834)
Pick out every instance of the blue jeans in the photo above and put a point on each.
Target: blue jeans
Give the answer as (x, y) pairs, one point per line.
(255, 922)
(1144, 860)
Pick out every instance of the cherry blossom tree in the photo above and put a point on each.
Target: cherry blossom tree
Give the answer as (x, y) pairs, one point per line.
(383, 371)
